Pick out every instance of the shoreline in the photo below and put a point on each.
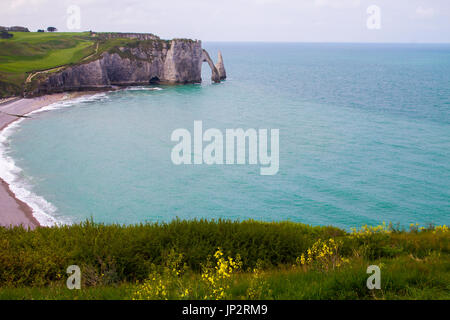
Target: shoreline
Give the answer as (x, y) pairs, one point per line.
(13, 211)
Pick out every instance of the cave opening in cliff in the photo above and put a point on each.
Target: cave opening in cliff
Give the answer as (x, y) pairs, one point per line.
(154, 80)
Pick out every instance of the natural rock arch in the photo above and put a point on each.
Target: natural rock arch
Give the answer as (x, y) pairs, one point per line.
(215, 76)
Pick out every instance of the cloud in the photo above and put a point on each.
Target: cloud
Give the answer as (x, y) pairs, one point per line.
(243, 20)
(425, 13)
(14, 4)
(337, 3)
(265, 1)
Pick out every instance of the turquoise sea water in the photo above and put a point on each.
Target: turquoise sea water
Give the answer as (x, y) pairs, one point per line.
(364, 138)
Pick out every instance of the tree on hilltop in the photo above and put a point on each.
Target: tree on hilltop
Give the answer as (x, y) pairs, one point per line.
(5, 35)
(51, 29)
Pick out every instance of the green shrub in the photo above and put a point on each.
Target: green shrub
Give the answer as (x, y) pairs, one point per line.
(112, 254)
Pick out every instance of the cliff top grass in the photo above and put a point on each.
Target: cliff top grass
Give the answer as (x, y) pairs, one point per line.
(27, 52)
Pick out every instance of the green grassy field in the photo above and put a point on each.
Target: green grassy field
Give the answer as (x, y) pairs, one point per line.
(31, 51)
(27, 52)
(224, 260)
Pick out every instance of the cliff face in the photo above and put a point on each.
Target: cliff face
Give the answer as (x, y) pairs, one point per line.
(183, 62)
(174, 62)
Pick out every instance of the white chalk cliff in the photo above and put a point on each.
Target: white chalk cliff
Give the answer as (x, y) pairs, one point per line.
(143, 62)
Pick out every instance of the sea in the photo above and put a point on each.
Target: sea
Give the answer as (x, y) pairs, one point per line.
(364, 137)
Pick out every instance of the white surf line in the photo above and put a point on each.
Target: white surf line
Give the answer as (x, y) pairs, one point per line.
(19, 184)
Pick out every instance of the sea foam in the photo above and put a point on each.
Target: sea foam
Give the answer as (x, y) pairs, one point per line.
(143, 88)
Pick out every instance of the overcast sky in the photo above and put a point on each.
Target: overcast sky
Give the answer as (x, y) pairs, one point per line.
(244, 20)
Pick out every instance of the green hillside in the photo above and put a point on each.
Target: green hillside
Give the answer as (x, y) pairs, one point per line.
(28, 52)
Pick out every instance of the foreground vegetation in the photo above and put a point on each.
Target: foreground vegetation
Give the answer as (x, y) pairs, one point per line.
(224, 260)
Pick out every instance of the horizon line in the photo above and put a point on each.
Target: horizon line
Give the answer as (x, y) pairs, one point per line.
(267, 41)
(324, 42)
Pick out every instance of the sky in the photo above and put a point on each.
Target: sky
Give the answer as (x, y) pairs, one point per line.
(410, 21)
